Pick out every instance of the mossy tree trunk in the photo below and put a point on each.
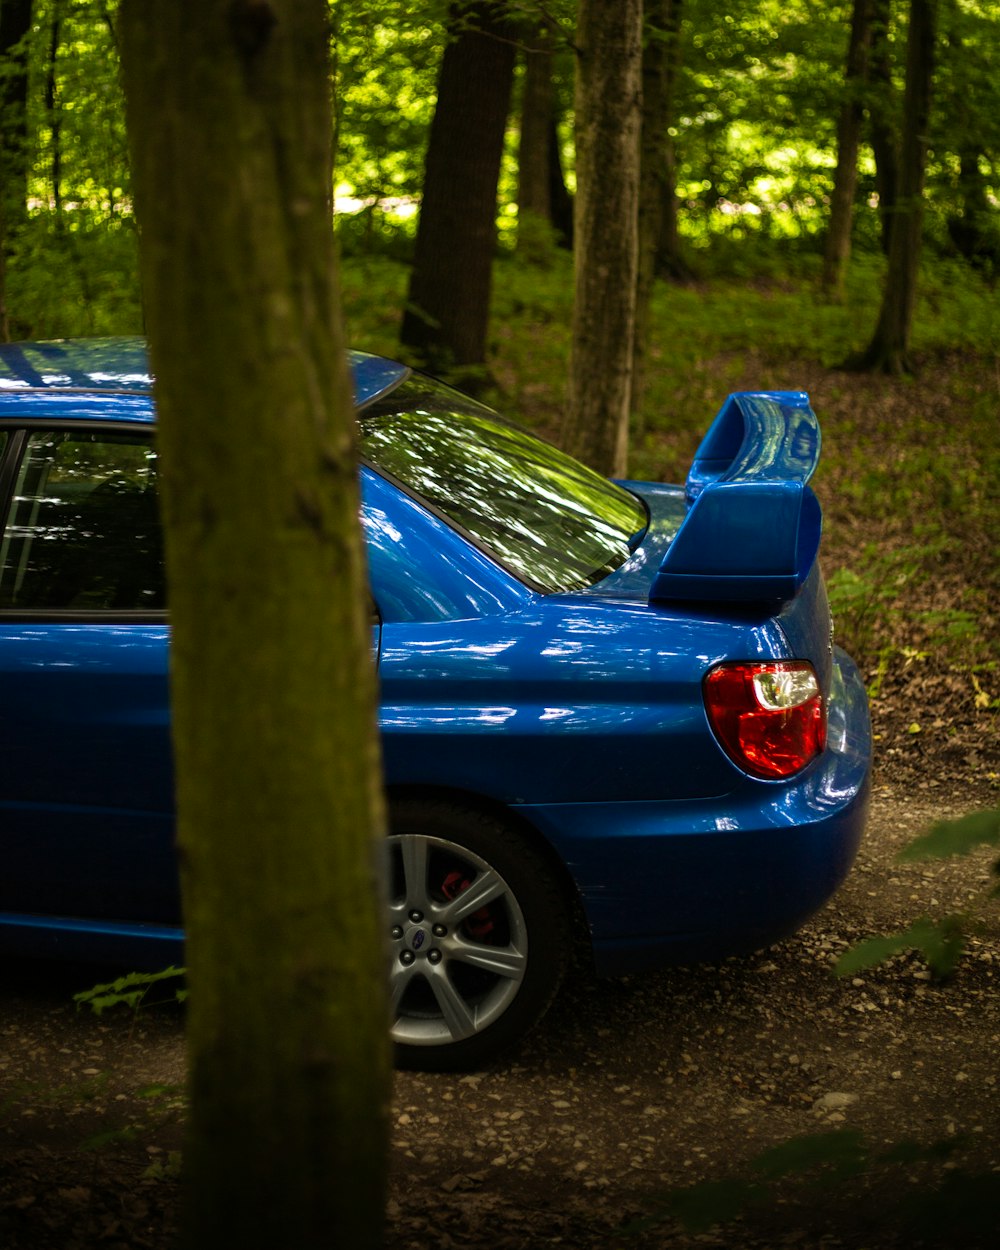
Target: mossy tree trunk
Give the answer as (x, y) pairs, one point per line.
(608, 108)
(279, 808)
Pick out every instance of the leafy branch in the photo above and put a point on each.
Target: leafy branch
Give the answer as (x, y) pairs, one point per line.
(939, 942)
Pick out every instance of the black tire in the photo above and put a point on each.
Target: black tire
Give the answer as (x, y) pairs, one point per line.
(468, 982)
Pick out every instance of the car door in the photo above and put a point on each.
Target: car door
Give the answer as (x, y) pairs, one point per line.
(86, 821)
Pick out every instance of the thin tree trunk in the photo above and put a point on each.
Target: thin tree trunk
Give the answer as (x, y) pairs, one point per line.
(971, 230)
(888, 351)
(534, 188)
(447, 311)
(838, 239)
(15, 25)
(881, 113)
(657, 172)
(559, 196)
(279, 811)
(608, 118)
(670, 260)
(54, 118)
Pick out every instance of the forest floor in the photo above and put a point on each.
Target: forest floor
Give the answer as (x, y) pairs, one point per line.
(629, 1088)
(633, 1087)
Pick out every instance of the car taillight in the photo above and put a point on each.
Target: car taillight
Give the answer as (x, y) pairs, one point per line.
(769, 717)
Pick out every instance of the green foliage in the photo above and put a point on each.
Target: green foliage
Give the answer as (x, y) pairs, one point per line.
(168, 1169)
(820, 1160)
(939, 942)
(956, 837)
(387, 58)
(80, 280)
(132, 991)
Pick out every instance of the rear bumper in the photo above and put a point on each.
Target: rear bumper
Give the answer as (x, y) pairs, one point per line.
(678, 881)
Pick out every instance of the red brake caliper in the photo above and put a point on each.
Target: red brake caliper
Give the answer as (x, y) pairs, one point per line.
(478, 925)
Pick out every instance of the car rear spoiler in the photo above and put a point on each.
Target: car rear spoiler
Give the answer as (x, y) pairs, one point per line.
(752, 528)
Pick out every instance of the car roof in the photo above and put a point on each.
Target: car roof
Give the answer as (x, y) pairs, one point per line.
(112, 377)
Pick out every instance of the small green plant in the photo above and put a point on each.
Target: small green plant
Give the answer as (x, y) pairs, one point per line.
(132, 991)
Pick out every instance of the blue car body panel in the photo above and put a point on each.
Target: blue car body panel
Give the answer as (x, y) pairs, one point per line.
(580, 714)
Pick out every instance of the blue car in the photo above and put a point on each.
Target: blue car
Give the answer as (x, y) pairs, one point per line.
(609, 711)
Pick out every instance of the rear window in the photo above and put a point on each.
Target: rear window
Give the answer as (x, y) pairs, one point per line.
(550, 520)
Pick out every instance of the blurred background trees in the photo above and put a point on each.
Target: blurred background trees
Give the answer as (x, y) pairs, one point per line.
(772, 134)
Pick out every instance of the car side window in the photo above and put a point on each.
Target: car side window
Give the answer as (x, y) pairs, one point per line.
(84, 531)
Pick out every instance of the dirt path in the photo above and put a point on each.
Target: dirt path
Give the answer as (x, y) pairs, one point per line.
(629, 1087)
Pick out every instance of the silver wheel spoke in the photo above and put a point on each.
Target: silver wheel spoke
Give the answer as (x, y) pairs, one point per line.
(401, 978)
(504, 961)
(487, 887)
(414, 852)
(458, 1016)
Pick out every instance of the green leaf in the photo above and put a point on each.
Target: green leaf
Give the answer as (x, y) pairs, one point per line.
(713, 1202)
(939, 942)
(908, 1151)
(159, 1090)
(129, 990)
(112, 1137)
(956, 837)
(842, 1149)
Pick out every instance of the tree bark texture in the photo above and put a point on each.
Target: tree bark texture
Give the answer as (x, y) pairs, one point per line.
(657, 170)
(608, 108)
(837, 250)
(888, 350)
(447, 312)
(279, 808)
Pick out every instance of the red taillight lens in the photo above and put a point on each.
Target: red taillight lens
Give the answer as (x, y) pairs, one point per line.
(770, 718)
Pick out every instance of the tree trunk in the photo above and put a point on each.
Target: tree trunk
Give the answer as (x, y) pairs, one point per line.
(53, 114)
(881, 112)
(888, 350)
(447, 312)
(534, 187)
(15, 24)
(559, 196)
(608, 108)
(670, 260)
(657, 171)
(279, 812)
(972, 230)
(838, 239)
